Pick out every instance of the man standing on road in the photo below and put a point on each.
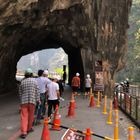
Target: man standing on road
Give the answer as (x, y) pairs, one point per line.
(75, 84)
(88, 83)
(53, 95)
(29, 96)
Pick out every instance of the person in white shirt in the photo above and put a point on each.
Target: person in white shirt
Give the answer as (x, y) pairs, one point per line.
(53, 95)
(88, 83)
(42, 83)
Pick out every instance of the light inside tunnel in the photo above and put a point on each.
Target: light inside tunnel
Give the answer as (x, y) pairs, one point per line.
(52, 60)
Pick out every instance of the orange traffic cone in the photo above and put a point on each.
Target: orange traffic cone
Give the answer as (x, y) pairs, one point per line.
(88, 134)
(73, 101)
(92, 103)
(71, 111)
(115, 103)
(45, 132)
(56, 120)
(56, 110)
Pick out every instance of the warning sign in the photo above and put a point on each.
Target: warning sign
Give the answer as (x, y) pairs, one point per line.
(71, 135)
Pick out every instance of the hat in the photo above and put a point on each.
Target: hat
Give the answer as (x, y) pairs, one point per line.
(127, 79)
(28, 71)
(58, 77)
(88, 76)
(46, 72)
(122, 83)
(77, 74)
(125, 82)
(55, 77)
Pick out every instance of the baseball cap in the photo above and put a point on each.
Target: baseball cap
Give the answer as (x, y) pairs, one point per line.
(88, 76)
(28, 71)
(46, 72)
(77, 74)
(55, 77)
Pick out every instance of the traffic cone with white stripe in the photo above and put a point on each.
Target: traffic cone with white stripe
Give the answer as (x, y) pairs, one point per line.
(92, 103)
(56, 120)
(45, 132)
(72, 106)
(88, 134)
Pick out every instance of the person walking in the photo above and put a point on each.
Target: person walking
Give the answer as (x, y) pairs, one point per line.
(64, 77)
(42, 83)
(75, 84)
(53, 96)
(88, 83)
(29, 96)
(61, 85)
(45, 74)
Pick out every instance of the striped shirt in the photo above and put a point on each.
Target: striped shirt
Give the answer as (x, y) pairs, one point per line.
(28, 91)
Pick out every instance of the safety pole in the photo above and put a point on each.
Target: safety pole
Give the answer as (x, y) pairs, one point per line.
(110, 105)
(98, 100)
(105, 102)
(116, 126)
(109, 121)
(131, 133)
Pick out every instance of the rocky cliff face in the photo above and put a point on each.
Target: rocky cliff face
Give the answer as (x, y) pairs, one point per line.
(87, 30)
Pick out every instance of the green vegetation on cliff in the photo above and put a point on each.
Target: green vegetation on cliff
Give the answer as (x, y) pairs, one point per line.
(132, 69)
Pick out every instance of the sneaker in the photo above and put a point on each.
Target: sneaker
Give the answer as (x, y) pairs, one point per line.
(62, 99)
(49, 119)
(23, 136)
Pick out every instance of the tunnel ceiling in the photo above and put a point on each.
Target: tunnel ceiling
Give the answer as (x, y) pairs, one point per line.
(34, 25)
(88, 29)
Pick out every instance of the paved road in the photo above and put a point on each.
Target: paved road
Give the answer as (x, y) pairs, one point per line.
(9, 115)
(85, 117)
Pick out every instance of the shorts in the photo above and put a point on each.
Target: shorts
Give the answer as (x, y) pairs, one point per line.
(87, 89)
(74, 89)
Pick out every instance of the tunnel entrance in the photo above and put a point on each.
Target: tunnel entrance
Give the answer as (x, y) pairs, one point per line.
(32, 40)
(56, 61)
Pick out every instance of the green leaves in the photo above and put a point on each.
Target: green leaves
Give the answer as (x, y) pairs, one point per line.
(132, 69)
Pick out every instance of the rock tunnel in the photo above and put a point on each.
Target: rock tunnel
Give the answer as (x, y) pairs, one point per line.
(87, 30)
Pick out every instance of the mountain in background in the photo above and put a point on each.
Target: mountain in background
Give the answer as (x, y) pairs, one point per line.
(46, 59)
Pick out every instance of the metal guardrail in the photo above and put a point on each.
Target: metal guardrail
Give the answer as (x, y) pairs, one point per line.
(129, 103)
